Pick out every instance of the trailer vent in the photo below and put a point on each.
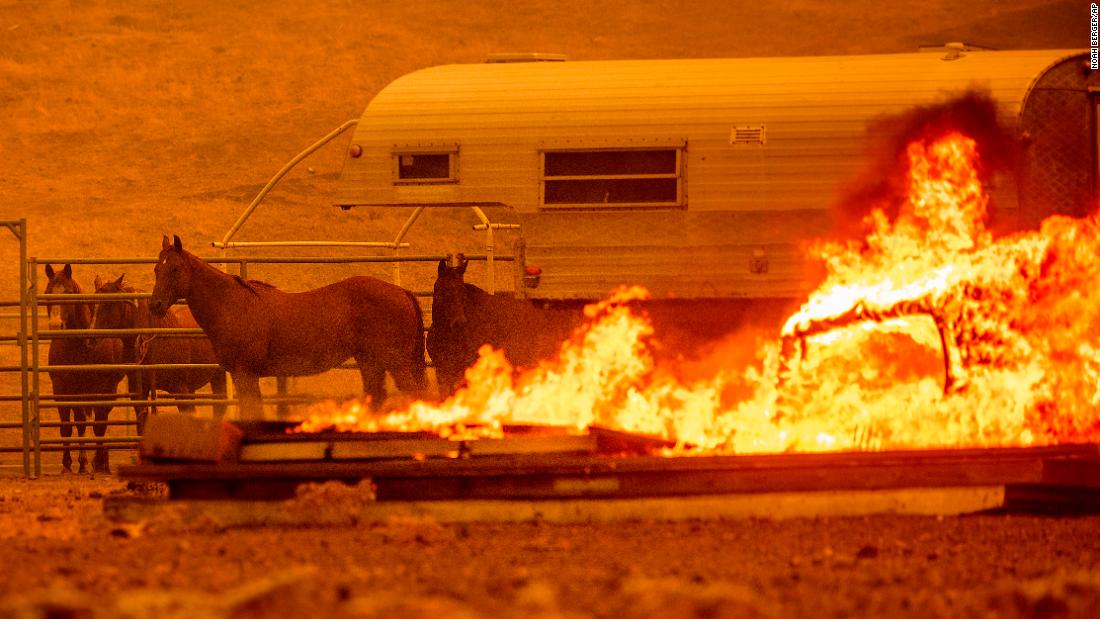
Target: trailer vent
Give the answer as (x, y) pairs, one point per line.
(748, 134)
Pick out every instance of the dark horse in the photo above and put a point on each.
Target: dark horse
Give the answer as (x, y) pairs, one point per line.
(465, 317)
(80, 385)
(153, 349)
(258, 330)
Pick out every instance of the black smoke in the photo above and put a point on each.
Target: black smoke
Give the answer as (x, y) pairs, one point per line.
(882, 183)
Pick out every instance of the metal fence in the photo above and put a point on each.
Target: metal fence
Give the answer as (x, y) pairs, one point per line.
(30, 337)
(18, 228)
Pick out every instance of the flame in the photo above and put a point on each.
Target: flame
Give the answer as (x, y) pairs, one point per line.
(929, 333)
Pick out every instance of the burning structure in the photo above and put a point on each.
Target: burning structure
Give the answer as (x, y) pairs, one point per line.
(1011, 319)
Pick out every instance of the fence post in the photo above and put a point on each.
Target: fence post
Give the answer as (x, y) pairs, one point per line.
(23, 347)
(35, 427)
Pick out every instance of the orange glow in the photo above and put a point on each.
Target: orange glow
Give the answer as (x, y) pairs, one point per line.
(861, 364)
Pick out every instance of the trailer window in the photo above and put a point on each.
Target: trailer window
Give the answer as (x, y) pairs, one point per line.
(617, 178)
(424, 167)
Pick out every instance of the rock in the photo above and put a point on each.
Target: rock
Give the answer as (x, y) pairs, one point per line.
(867, 552)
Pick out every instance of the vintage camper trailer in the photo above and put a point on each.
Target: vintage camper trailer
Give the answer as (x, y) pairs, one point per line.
(696, 178)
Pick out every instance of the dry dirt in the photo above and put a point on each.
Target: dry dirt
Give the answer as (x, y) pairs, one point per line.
(66, 560)
(125, 120)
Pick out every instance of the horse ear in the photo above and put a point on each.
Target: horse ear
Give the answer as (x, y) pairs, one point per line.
(462, 262)
(441, 271)
(177, 243)
(68, 271)
(118, 282)
(98, 283)
(164, 243)
(49, 271)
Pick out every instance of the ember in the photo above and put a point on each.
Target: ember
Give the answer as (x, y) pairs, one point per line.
(931, 333)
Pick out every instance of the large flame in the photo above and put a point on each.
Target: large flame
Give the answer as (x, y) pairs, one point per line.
(929, 333)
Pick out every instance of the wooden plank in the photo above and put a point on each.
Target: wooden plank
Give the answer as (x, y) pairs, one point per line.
(397, 448)
(1046, 499)
(777, 506)
(615, 442)
(558, 464)
(393, 485)
(584, 443)
(686, 483)
(272, 450)
(185, 437)
(285, 451)
(1075, 473)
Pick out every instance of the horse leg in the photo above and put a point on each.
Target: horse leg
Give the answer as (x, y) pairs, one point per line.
(101, 463)
(248, 391)
(446, 378)
(142, 410)
(185, 408)
(374, 382)
(64, 413)
(217, 388)
(405, 379)
(137, 386)
(80, 416)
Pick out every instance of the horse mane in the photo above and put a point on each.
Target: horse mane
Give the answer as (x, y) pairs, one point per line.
(144, 317)
(472, 289)
(254, 286)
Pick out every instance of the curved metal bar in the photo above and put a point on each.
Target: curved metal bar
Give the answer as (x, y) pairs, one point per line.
(952, 380)
(283, 172)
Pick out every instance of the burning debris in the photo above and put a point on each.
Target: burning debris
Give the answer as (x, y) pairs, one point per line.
(928, 333)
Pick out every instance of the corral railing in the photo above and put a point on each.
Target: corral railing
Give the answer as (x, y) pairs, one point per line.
(18, 228)
(31, 336)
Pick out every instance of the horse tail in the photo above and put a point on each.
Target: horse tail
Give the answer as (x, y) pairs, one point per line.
(419, 366)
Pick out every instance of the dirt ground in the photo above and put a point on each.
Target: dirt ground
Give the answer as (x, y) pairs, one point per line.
(66, 560)
(124, 120)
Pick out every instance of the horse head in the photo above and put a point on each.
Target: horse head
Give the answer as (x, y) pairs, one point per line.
(449, 293)
(65, 315)
(173, 277)
(114, 314)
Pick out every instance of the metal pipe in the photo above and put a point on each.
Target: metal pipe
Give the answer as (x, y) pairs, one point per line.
(24, 318)
(33, 429)
(490, 244)
(860, 313)
(237, 244)
(90, 440)
(397, 242)
(281, 173)
(170, 401)
(124, 367)
(58, 424)
(84, 297)
(110, 446)
(490, 265)
(271, 260)
(61, 334)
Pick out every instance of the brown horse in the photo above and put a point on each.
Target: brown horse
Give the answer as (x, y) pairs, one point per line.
(465, 317)
(78, 385)
(258, 330)
(146, 350)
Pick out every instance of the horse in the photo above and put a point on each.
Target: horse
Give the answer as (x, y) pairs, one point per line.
(78, 385)
(258, 330)
(465, 317)
(146, 349)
